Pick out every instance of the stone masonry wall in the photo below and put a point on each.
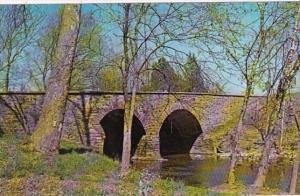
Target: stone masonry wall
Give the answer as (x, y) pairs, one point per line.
(85, 111)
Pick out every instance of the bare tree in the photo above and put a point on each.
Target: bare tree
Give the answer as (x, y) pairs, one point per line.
(290, 68)
(249, 49)
(18, 26)
(146, 30)
(42, 60)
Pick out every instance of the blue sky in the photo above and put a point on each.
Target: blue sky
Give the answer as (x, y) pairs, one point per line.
(234, 85)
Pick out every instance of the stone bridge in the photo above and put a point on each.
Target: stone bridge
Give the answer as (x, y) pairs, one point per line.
(163, 124)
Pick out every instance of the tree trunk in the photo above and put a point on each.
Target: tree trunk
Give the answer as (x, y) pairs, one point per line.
(235, 137)
(86, 111)
(7, 78)
(47, 135)
(284, 83)
(293, 184)
(282, 125)
(128, 118)
(129, 101)
(264, 164)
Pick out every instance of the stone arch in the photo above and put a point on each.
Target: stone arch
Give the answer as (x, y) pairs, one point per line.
(156, 116)
(112, 124)
(178, 132)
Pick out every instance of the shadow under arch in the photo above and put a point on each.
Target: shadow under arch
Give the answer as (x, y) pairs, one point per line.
(113, 124)
(178, 133)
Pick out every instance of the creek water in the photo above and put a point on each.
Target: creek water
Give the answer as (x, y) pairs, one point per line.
(212, 171)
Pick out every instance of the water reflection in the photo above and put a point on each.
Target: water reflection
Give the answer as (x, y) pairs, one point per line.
(212, 171)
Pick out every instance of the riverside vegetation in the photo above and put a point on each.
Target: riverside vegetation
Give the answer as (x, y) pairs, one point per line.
(77, 170)
(168, 47)
(73, 171)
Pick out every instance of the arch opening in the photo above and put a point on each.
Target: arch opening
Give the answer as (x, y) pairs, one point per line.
(178, 133)
(113, 124)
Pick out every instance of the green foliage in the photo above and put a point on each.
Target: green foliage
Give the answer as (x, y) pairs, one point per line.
(88, 54)
(43, 64)
(129, 183)
(231, 111)
(29, 164)
(67, 144)
(88, 170)
(160, 76)
(193, 76)
(17, 161)
(88, 188)
(18, 164)
(43, 185)
(5, 141)
(164, 77)
(83, 167)
(68, 164)
(110, 79)
(97, 168)
(189, 78)
(167, 187)
(199, 191)
(13, 186)
(195, 191)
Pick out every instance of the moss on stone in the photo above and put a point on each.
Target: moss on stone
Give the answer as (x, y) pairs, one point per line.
(231, 113)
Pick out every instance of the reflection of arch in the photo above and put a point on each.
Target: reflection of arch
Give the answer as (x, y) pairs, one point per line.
(178, 133)
(112, 124)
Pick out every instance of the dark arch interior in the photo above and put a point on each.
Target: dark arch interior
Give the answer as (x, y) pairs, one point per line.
(113, 123)
(178, 133)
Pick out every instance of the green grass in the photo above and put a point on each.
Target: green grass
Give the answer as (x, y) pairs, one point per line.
(18, 165)
(68, 145)
(67, 165)
(129, 183)
(27, 164)
(198, 191)
(6, 141)
(88, 188)
(75, 166)
(88, 171)
(167, 187)
(97, 168)
(15, 161)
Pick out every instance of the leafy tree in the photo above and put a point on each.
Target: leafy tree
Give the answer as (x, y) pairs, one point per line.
(247, 48)
(194, 76)
(141, 38)
(163, 77)
(110, 79)
(88, 53)
(290, 67)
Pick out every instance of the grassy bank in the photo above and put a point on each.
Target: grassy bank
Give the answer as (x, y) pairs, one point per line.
(73, 171)
(77, 171)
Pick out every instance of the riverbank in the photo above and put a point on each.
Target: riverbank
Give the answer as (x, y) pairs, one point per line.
(78, 171)
(73, 172)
